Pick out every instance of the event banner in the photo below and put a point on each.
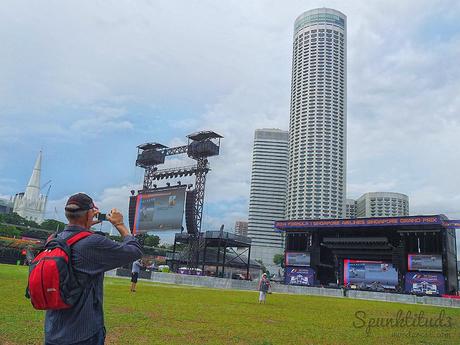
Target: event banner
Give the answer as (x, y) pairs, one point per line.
(299, 276)
(190, 271)
(159, 210)
(366, 222)
(455, 224)
(425, 283)
(370, 274)
(297, 259)
(423, 262)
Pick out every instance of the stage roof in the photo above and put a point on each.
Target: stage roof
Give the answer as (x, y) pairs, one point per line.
(149, 146)
(218, 239)
(204, 135)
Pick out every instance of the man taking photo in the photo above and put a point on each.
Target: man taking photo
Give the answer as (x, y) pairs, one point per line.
(83, 324)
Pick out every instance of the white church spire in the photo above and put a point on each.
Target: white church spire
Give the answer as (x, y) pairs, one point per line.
(33, 187)
(31, 204)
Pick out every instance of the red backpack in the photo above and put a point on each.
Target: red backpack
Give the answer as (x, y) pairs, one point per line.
(52, 281)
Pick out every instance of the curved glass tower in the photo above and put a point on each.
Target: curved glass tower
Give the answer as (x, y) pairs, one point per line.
(317, 129)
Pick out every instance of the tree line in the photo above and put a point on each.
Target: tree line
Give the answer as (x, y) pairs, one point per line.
(15, 226)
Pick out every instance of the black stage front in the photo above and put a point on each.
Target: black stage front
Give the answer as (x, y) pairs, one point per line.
(418, 250)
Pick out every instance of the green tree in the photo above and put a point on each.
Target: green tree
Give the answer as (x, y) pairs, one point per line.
(262, 266)
(167, 246)
(278, 259)
(13, 218)
(16, 219)
(141, 238)
(148, 240)
(152, 241)
(9, 231)
(116, 238)
(52, 224)
(37, 233)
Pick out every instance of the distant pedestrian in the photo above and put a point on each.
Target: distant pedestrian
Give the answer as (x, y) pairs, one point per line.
(264, 287)
(135, 274)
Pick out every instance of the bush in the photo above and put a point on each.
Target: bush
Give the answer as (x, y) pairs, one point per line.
(16, 219)
(9, 255)
(278, 259)
(36, 233)
(9, 231)
(52, 225)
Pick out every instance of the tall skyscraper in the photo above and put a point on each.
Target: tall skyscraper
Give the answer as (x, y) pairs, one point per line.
(241, 228)
(350, 208)
(31, 204)
(382, 204)
(268, 192)
(6, 206)
(317, 129)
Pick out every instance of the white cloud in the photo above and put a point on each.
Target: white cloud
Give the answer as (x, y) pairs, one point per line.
(101, 119)
(356, 190)
(113, 197)
(230, 64)
(55, 209)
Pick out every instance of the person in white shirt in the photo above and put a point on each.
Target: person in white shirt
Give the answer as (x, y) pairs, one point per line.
(135, 274)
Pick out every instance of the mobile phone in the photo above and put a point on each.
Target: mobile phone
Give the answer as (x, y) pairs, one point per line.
(101, 216)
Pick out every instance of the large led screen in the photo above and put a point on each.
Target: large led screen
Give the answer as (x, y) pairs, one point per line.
(424, 262)
(424, 283)
(159, 210)
(370, 274)
(299, 276)
(297, 259)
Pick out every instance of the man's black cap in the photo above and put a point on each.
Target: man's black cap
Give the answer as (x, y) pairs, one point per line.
(81, 201)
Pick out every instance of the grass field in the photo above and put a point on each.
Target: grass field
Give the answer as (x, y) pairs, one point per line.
(170, 314)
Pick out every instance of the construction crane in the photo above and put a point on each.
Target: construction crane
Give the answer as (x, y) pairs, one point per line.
(49, 187)
(44, 185)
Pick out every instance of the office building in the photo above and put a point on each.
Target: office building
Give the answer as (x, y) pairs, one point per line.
(6, 206)
(241, 228)
(350, 209)
(268, 193)
(382, 204)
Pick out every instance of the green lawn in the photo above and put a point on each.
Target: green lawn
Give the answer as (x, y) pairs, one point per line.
(170, 314)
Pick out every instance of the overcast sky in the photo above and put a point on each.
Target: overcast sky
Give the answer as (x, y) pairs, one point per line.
(87, 81)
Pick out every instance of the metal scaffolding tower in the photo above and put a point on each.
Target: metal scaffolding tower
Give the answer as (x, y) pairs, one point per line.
(201, 145)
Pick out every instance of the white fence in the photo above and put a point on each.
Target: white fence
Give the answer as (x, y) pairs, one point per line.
(222, 283)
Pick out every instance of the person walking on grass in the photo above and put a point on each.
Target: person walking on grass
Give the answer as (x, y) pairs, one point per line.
(135, 274)
(83, 323)
(264, 287)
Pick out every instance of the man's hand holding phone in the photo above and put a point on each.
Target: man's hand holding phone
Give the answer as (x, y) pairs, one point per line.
(101, 217)
(116, 218)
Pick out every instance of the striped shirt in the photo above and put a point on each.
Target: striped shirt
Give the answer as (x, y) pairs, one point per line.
(92, 255)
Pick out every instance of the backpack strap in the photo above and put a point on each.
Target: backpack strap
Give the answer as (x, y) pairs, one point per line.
(51, 237)
(82, 278)
(77, 237)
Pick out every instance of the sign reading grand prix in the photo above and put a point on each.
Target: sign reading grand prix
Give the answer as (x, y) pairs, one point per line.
(411, 220)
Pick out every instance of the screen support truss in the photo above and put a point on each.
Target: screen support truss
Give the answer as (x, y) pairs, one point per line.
(201, 145)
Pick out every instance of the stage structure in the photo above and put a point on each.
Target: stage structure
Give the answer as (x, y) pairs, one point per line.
(200, 146)
(411, 254)
(217, 253)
